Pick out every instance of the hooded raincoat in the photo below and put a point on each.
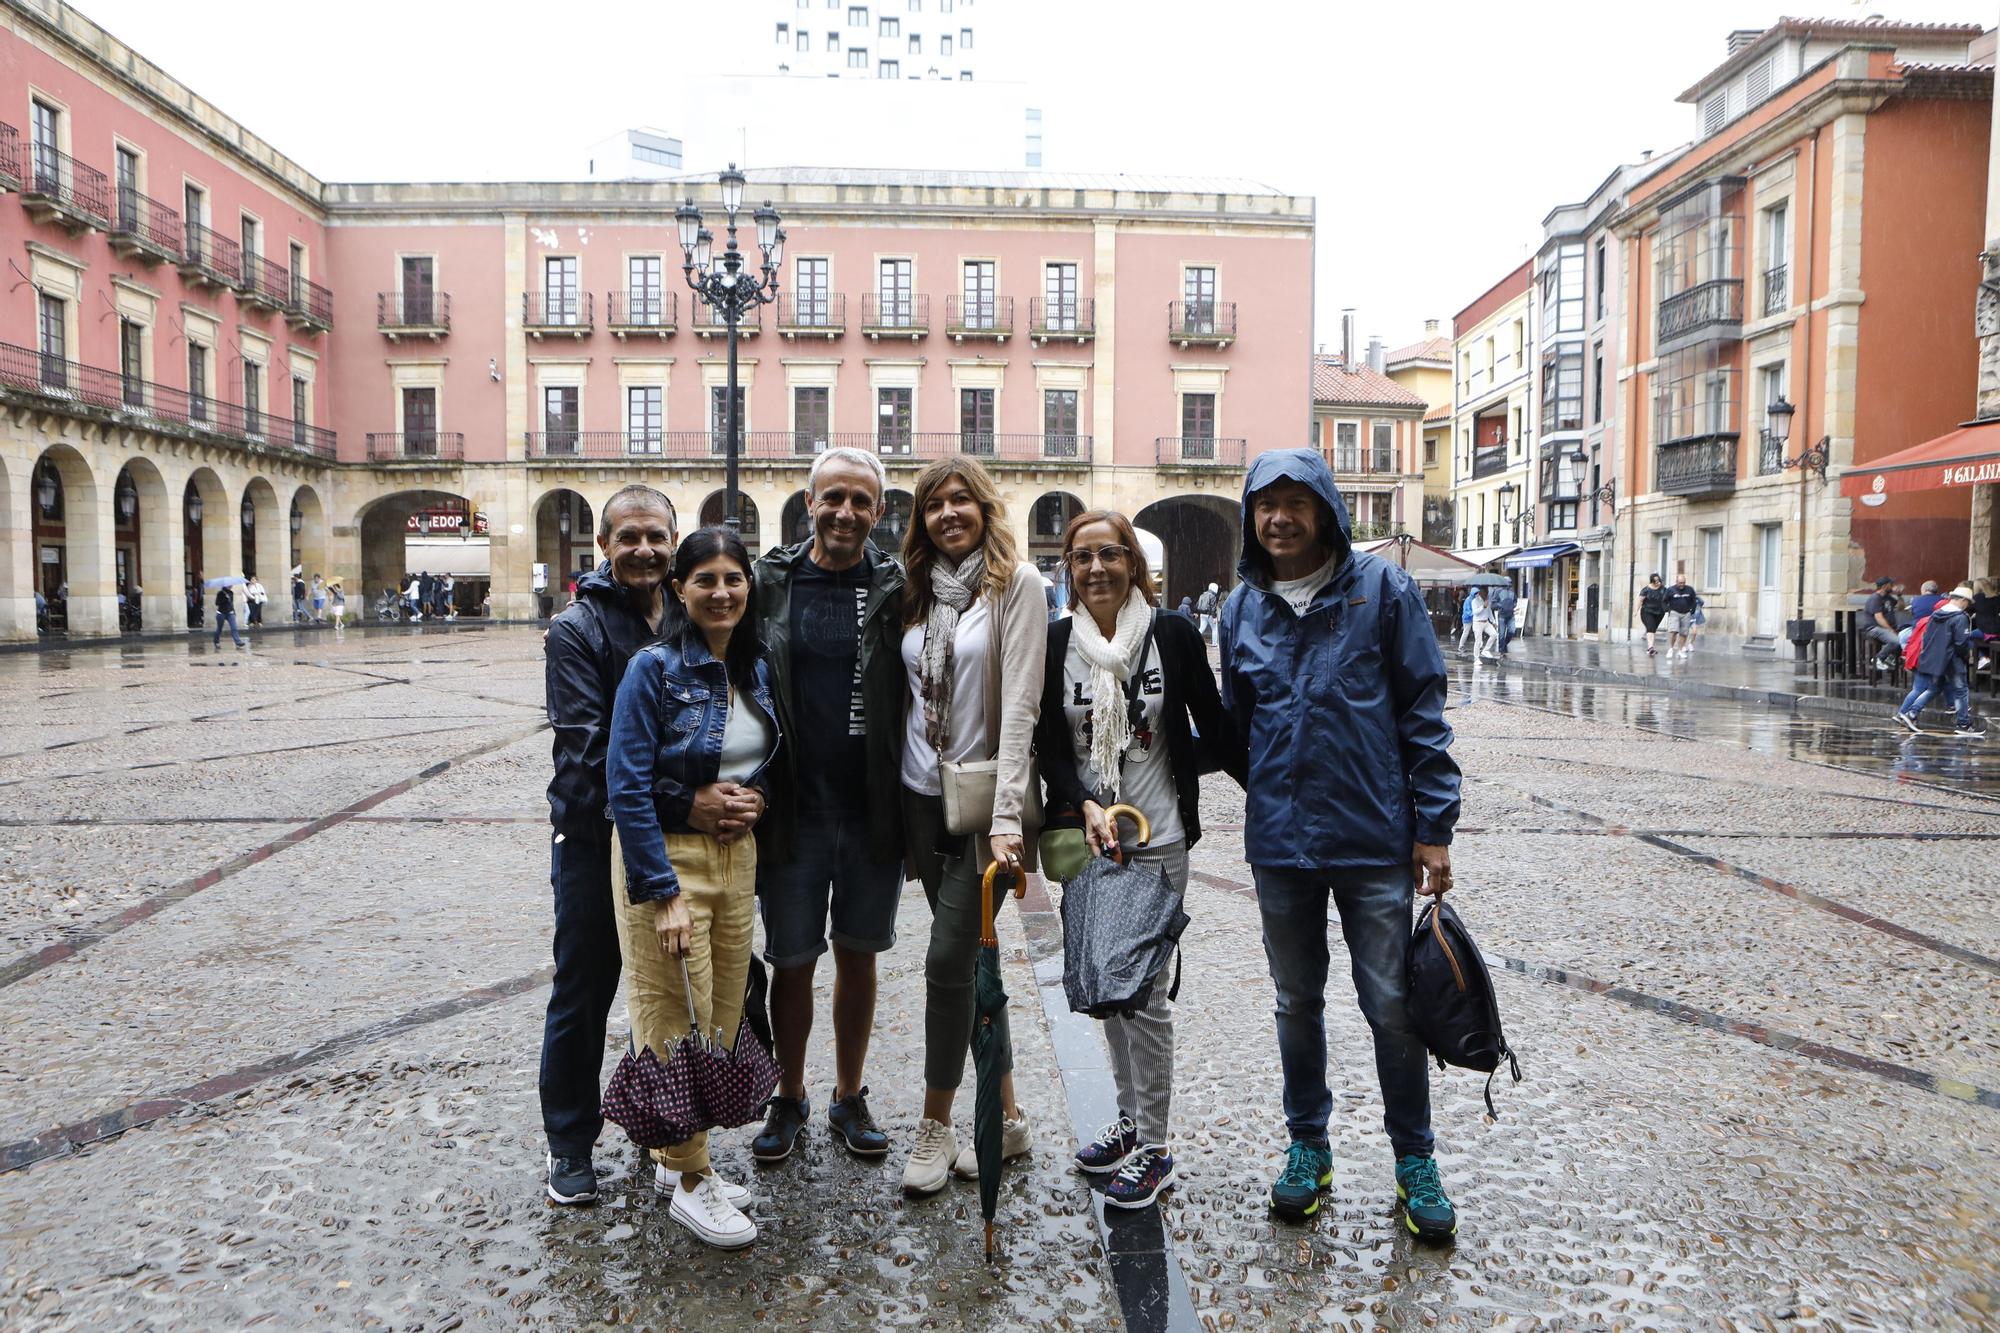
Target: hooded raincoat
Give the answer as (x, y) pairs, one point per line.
(1343, 707)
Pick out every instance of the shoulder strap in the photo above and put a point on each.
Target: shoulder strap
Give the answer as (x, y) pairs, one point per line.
(1137, 679)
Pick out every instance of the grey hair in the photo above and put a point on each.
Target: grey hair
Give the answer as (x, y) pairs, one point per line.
(858, 457)
(639, 494)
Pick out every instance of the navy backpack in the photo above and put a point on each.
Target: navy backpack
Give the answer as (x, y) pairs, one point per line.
(1452, 1005)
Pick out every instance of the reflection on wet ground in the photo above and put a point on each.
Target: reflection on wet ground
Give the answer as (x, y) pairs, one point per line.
(275, 941)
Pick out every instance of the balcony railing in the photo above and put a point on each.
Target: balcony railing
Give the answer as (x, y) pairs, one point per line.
(544, 313)
(1489, 460)
(707, 321)
(416, 445)
(1365, 461)
(1777, 289)
(1063, 320)
(310, 307)
(264, 283)
(209, 259)
(778, 446)
(58, 188)
(816, 315)
(10, 157)
(418, 314)
(987, 317)
(1197, 451)
(146, 229)
(891, 316)
(1201, 323)
(158, 406)
(641, 310)
(1712, 309)
(1698, 467)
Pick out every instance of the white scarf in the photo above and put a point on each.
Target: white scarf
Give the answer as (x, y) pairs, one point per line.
(952, 591)
(1111, 665)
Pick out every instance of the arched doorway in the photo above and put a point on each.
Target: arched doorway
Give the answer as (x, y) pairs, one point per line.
(565, 544)
(410, 534)
(67, 549)
(305, 523)
(1048, 519)
(895, 521)
(1202, 537)
(264, 536)
(796, 525)
(206, 519)
(142, 562)
(751, 529)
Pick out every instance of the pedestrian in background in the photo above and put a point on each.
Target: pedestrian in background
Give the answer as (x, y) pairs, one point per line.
(1942, 665)
(975, 631)
(225, 613)
(1882, 614)
(1695, 624)
(585, 655)
(412, 599)
(1652, 610)
(1323, 641)
(336, 599)
(447, 605)
(298, 597)
(1206, 606)
(1465, 613)
(318, 600)
(255, 596)
(1119, 687)
(1986, 614)
(1186, 608)
(1680, 617)
(830, 847)
(694, 721)
(1505, 600)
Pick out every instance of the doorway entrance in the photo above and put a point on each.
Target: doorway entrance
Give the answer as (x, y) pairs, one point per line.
(1770, 563)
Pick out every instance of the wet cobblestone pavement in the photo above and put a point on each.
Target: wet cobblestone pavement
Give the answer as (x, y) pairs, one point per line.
(275, 932)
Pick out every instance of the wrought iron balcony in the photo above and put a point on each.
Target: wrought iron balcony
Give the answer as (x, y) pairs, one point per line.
(641, 312)
(264, 283)
(1708, 311)
(1201, 323)
(421, 446)
(1489, 460)
(10, 157)
(418, 314)
(1072, 320)
(1777, 289)
(209, 260)
(98, 393)
(60, 189)
(553, 314)
(814, 315)
(990, 317)
(707, 321)
(1197, 451)
(310, 309)
(1705, 466)
(890, 316)
(145, 230)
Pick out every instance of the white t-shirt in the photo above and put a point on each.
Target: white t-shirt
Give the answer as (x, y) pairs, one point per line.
(1147, 779)
(968, 700)
(1300, 592)
(746, 739)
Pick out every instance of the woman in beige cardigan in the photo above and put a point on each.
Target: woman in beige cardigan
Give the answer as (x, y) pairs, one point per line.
(975, 635)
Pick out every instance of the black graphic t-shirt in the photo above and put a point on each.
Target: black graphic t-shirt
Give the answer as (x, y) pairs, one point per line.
(831, 755)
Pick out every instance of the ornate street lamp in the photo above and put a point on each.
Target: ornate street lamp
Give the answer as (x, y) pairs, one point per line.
(726, 288)
(47, 488)
(563, 526)
(298, 520)
(128, 499)
(249, 512)
(1778, 425)
(194, 507)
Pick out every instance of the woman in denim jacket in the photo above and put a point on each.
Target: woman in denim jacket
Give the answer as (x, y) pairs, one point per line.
(692, 734)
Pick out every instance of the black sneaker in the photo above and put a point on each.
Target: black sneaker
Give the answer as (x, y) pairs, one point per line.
(785, 1117)
(851, 1120)
(572, 1179)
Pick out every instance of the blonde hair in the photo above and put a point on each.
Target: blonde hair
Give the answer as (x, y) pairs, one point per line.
(920, 553)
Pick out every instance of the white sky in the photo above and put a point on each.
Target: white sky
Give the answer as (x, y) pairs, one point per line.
(1435, 137)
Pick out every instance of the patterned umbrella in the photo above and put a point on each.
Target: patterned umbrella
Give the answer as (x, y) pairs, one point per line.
(989, 1002)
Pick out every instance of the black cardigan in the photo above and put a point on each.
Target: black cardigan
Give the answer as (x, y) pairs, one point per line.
(1189, 689)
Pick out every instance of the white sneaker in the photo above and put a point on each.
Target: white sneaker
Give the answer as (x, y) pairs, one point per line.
(1015, 1141)
(707, 1212)
(930, 1161)
(665, 1178)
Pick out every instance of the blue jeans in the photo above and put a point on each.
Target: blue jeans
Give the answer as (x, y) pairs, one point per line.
(1375, 919)
(587, 965)
(227, 618)
(829, 867)
(1957, 690)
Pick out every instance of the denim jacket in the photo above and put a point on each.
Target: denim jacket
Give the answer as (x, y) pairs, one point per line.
(666, 744)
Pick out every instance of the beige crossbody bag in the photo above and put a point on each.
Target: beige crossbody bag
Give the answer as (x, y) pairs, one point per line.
(969, 785)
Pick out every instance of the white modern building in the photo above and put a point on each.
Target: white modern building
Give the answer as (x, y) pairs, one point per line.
(871, 39)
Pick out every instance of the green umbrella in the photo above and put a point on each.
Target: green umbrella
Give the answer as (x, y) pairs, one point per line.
(989, 1002)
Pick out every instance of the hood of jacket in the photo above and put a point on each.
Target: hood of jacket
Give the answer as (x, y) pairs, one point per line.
(1308, 467)
(599, 585)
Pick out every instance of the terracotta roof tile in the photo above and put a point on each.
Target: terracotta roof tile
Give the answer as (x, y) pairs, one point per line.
(1442, 412)
(1430, 349)
(1359, 386)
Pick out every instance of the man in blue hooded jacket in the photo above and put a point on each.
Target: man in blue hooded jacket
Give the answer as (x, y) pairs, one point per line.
(1333, 672)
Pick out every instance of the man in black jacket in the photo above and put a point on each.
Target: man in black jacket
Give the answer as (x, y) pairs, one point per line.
(831, 845)
(1680, 618)
(616, 612)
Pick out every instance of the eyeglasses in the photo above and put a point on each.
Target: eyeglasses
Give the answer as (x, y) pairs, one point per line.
(1080, 558)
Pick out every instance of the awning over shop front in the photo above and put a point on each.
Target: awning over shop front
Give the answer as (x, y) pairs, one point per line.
(1430, 566)
(1541, 557)
(1965, 457)
(1484, 555)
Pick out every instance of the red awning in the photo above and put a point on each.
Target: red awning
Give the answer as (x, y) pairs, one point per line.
(1966, 456)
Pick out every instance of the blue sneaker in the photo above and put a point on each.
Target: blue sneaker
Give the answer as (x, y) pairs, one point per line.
(1108, 1151)
(1427, 1210)
(1139, 1182)
(1308, 1170)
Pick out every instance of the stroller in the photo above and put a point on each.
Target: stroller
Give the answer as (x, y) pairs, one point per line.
(389, 606)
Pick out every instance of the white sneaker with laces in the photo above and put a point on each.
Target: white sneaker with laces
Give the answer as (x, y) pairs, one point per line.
(707, 1212)
(1015, 1141)
(666, 1178)
(930, 1161)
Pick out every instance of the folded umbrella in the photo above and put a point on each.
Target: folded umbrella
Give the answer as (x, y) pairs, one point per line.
(732, 1083)
(1121, 923)
(989, 1001)
(653, 1100)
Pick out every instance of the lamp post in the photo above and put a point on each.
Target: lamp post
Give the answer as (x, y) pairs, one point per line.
(725, 287)
(1778, 425)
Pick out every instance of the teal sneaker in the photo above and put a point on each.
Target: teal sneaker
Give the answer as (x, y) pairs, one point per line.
(1427, 1209)
(1308, 1170)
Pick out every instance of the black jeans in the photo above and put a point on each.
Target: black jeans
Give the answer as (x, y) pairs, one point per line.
(587, 963)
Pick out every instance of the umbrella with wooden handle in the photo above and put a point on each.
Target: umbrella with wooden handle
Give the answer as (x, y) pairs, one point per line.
(1133, 813)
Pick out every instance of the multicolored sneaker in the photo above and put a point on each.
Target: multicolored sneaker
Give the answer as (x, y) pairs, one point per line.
(1139, 1182)
(1308, 1170)
(1427, 1210)
(1108, 1151)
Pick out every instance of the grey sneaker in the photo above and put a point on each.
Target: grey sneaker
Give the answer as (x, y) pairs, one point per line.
(1909, 722)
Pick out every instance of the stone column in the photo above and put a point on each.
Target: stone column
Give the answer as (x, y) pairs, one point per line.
(17, 564)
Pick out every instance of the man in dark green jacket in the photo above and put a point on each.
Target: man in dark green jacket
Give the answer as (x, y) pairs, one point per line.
(831, 840)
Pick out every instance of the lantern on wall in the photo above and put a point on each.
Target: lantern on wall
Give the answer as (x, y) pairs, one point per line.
(48, 488)
(298, 520)
(128, 499)
(194, 507)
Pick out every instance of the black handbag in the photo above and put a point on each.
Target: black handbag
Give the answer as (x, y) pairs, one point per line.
(1451, 1000)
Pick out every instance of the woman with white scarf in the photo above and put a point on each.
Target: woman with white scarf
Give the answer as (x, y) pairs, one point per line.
(975, 628)
(1121, 684)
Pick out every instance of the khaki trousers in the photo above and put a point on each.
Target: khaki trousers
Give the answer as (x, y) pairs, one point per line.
(719, 885)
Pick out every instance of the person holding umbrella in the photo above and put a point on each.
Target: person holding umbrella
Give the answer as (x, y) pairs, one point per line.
(1119, 688)
(694, 719)
(975, 630)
